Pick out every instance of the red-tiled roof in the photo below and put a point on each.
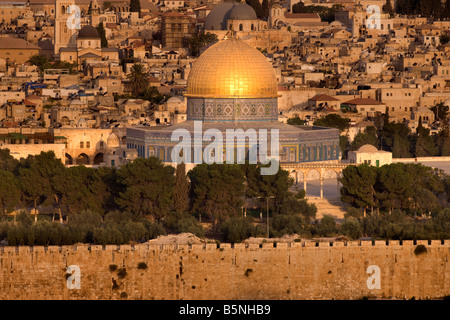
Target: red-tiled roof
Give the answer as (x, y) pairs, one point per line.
(364, 101)
(302, 16)
(323, 97)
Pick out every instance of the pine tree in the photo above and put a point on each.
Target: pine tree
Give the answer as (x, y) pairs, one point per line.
(265, 9)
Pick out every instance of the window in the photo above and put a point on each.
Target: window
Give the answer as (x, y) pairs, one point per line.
(81, 144)
(88, 144)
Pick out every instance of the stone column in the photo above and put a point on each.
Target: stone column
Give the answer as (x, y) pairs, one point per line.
(304, 183)
(338, 185)
(321, 187)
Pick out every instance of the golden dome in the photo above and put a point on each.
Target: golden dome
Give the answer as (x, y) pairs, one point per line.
(231, 69)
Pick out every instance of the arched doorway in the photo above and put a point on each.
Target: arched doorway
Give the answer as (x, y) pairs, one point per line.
(83, 158)
(65, 121)
(98, 159)
(331, 185)
(313, 183)
(69, 159)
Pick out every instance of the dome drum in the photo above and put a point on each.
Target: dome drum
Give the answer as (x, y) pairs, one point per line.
(232, 109)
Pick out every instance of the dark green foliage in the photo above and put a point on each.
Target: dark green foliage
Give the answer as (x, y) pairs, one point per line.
(197, 41)
(151, 94)
(181, 190)
(326, 227)
(295, 121)
(257, 6)
(344, 145)
(237, 229)
(7, 161)
(333, 121)
(287, 224)
(326, 14)
(147, 188)
(138, 79)
(178, 222)
(368, 136)
(351, 228)
(102, 32)
(9, 192)
(412, 187)
(426, 8)
(387, 8)
(216, 191)
(135, 6)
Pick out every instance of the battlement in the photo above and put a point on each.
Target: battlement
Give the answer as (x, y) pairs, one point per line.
(294, 270)
(225, 246)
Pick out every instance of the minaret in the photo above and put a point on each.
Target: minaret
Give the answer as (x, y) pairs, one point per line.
(64, 37)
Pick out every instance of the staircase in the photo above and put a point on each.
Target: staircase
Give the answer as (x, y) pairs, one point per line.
(331, 206)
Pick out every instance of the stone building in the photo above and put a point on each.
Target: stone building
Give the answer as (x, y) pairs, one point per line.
(368, 154)
(176, 29)
(16, 50)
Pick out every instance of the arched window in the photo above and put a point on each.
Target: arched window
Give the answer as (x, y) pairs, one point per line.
(241, 27)
(252, 27)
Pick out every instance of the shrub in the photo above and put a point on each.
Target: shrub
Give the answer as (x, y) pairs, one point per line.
(237, 229)
(326, 227)
(351, 228)
(286, 224)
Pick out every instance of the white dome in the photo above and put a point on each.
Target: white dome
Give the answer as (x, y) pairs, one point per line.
(174, 100)
(367, 148)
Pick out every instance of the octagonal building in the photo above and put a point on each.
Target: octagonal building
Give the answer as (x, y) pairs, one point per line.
(232, 86)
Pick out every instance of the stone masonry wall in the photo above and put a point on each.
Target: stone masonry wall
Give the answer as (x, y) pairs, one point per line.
(301, 270)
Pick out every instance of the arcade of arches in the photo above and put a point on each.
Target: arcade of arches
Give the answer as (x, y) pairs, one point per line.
(315, 172)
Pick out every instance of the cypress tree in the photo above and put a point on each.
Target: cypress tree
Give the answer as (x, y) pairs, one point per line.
(388, 7)
(181, 190)
(135, 6)
(102, 32)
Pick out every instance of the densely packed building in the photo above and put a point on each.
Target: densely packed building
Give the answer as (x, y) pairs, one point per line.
(67, 67)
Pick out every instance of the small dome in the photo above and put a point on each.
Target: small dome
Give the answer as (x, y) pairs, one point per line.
(367, 148)
(88, 32)
(217, 18)
(243, 11)
(113, 141)
(174, 100)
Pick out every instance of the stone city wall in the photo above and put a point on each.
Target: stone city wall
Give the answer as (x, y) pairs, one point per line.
(299, 270)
